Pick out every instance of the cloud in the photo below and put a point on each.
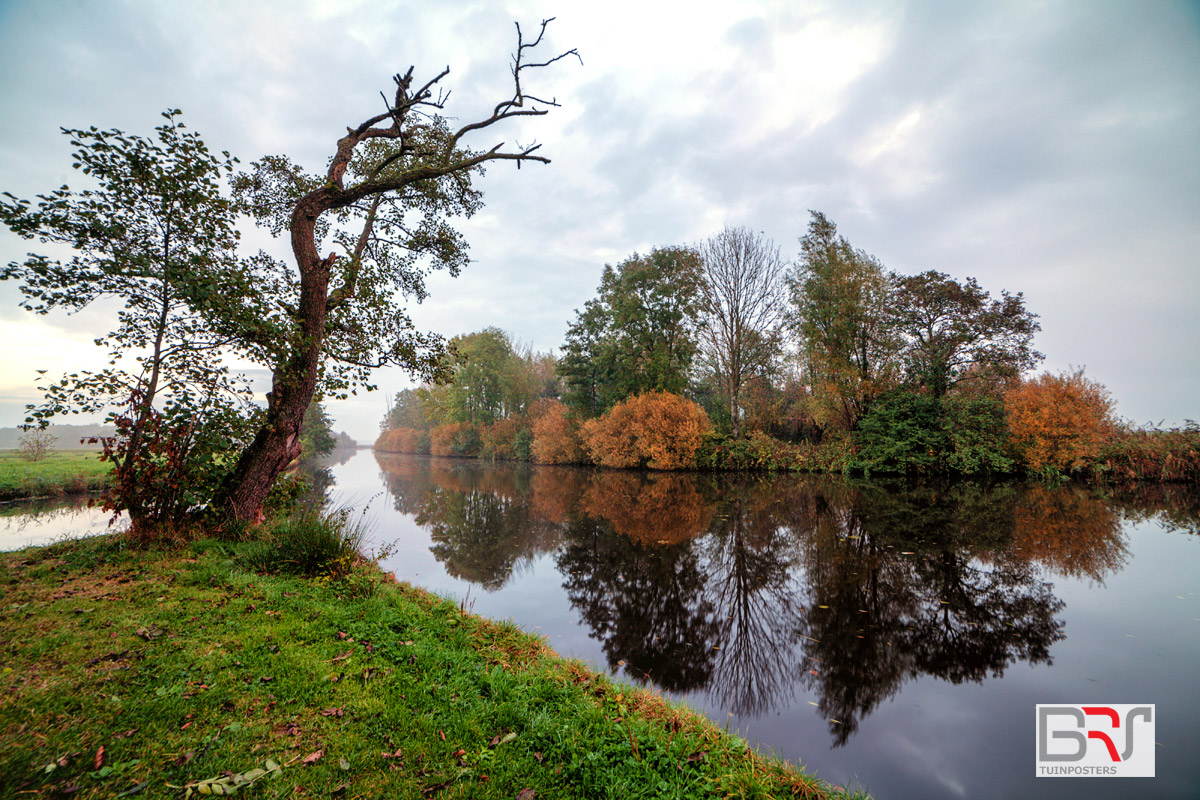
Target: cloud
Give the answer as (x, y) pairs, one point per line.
(1044, 149)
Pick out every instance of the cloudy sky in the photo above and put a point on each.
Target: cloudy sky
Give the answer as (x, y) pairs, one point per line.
(1051, 148)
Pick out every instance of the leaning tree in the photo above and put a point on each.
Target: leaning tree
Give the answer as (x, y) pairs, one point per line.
(383, 202)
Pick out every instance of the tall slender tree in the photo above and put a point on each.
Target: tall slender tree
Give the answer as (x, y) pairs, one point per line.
(743, 301)
(840, 300)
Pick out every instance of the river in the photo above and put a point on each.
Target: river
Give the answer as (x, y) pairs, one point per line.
(889, 635)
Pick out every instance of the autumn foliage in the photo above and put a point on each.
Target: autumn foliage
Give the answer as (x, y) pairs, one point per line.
(656, 429)
(403, 440)
(1059, 421)
(455, 439)
(555, 435)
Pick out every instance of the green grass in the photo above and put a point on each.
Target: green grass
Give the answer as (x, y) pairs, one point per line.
(59, 473)
(147, 670)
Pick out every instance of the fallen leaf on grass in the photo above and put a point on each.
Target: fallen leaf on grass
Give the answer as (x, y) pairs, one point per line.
(344, 764)
(331, 712)
(99, 760)
(437, 787)
(540, 758)
(699, 755)
(149, 632)
(135, 790)
(526, 794)
(313, 757)
(396, 754)
(341, 657)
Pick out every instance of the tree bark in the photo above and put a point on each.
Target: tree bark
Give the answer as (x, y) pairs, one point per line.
(294, 383)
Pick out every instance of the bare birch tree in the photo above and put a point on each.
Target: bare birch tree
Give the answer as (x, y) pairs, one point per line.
(743, 302)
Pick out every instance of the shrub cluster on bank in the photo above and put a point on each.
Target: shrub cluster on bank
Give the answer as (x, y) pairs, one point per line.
(1051, 425)
(657, 430)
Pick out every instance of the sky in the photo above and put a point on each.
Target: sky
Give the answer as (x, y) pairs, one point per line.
(1049, 148)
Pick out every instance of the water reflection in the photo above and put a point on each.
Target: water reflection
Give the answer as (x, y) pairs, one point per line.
(752, 589)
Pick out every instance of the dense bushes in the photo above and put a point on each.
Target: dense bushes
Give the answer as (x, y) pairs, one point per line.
(1150, 454)
(657, 429)
(456, 439)
(556, 436)
(1051, 425)
(403, 440)
(1059, 422)
(907, 432)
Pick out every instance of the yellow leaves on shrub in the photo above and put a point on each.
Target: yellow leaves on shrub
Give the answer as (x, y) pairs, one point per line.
(659, 429)
(455, 439)
(555, 436)
(1059, 421)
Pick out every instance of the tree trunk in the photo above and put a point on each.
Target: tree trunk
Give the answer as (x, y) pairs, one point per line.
(294, 382)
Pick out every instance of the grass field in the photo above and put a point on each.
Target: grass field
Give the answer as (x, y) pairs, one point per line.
(66, 472)
(155, 672)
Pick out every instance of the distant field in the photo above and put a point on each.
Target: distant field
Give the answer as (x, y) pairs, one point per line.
(56, 474)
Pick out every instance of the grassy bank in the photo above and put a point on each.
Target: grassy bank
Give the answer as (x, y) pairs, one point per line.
(142, 671)
(69, 472)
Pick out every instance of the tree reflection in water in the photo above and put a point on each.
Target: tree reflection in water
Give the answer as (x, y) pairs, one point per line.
(751, 589)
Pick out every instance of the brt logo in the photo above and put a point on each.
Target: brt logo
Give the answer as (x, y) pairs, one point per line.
(1095, 741)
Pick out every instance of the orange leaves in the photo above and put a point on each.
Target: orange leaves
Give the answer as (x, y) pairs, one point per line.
(1059, 421)
(401, 440)
(555, 437)
(455, 439)
(659, 429)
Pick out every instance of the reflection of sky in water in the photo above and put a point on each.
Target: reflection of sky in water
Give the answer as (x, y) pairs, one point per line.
(1126, 612)
(47, 524)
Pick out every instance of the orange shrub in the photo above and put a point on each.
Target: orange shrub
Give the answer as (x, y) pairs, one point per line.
(403, 440)
(609, 439)
(1059, 421)
(659, 429)
(555, 435)
(454, 439)
(500, 438)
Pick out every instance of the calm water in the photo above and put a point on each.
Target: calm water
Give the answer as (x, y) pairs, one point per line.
(890, 636)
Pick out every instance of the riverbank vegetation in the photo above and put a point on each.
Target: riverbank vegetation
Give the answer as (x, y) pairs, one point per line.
(220, 664)
(829, 363)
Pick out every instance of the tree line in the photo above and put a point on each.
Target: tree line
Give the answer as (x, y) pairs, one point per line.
(727, 355)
